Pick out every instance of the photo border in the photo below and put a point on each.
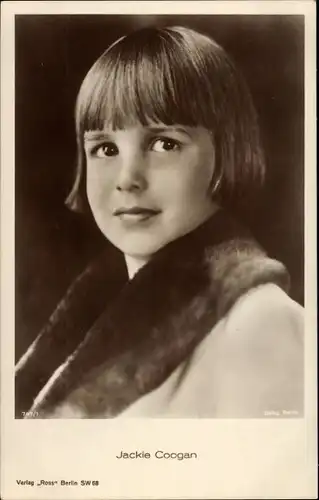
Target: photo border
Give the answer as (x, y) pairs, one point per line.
(251, 458)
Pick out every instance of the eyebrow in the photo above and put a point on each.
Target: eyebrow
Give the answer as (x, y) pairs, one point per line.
(100, 135)
(95, 136)
(159, 130)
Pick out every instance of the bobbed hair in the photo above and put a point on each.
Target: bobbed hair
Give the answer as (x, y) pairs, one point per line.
(173, 75)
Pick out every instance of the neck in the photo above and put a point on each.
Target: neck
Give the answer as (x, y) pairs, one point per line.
(134, 264)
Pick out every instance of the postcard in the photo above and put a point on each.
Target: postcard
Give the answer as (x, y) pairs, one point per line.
(158, 250)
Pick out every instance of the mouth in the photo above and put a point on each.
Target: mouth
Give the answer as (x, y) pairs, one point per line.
(135, 213)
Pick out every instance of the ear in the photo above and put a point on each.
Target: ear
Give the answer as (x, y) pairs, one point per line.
(217, 173)
(76, 200)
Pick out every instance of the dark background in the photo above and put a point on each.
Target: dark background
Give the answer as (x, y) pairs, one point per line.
(53, 54)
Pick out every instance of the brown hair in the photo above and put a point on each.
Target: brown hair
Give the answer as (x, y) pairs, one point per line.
(173, 75)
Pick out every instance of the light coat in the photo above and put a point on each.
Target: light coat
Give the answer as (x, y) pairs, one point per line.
(250, 365)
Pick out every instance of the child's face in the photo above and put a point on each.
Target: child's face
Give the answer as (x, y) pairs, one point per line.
(148, 186)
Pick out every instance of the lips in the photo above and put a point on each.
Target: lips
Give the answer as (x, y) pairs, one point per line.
(135, 211)
(132, 216)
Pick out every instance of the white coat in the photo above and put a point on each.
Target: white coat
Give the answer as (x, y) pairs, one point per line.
(250, 365)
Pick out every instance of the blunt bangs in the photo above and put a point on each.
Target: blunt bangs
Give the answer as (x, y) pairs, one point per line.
(149, 76)
(173, 76)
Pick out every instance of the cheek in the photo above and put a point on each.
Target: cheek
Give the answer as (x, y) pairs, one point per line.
(99, 188)
(192, 180)
(203, 169)
(200, 181)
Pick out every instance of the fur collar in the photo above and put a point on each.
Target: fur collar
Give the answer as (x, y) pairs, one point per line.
(107, 345)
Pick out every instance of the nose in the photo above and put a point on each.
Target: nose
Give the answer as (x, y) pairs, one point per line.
(132, 174)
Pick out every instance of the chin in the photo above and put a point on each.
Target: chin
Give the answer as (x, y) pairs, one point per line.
(139, 248)
(140, 251)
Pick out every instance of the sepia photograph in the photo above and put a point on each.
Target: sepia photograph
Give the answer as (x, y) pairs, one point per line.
(175, 253)
(158, 253)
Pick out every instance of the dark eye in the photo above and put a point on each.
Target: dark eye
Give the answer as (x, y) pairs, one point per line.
(165, 144)
(106, 149)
